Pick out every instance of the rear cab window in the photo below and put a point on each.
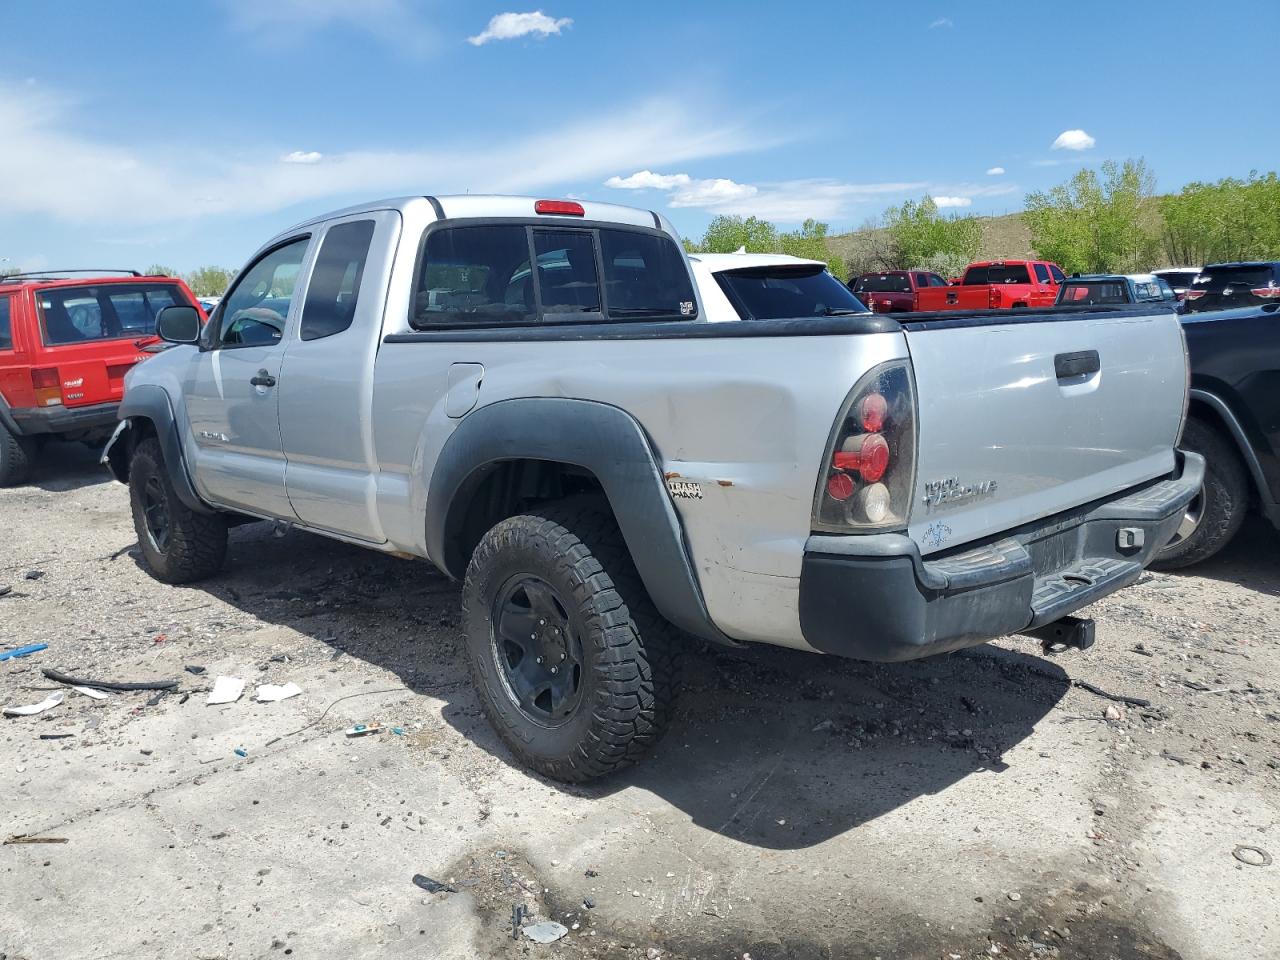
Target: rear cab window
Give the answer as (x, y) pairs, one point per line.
(6, 323)
(787, 291)
(104, 311)
(520, 273)
(1088, 292)
(882, 283)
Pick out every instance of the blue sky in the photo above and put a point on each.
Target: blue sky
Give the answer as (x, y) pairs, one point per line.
(187, 133)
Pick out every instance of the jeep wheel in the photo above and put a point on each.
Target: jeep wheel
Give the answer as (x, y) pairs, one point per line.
(178, 544)
(1213, 517)
(575, 668)
(16, 456)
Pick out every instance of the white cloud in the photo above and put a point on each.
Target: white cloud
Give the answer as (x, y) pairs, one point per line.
(787, 201)
(1073, 140)
(944, 202)
(995, 171)
(645, 180)
(394, 22)
(302, 156)
(74, 177)
(941, 22)
(510, 26)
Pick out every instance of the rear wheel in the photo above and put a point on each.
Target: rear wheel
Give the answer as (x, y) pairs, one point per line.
(575, 668)
(178, 544)
(1215, 515)
(17, 455)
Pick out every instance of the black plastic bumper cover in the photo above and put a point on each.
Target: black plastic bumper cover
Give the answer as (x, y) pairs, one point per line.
(876, 598)
(31, 421)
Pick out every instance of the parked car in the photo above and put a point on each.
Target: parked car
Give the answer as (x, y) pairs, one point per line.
(1221, 286)
(67, 338)
(1099, 289)
(529, 394)
(893, 291)
(1233, 422)
(997, 285)
(768, 286)
(1179, 278)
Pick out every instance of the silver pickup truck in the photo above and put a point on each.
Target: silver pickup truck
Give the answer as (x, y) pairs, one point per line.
(527, 394)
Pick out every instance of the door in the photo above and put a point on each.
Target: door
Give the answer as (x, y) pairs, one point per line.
(326, 388)
(232, 387)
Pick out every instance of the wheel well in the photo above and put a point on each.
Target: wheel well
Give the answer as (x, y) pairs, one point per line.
(505, 489)
(1210, 417)
(140, 428)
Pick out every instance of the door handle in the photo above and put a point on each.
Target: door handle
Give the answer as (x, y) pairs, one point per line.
(1067, 365)
(263, 379)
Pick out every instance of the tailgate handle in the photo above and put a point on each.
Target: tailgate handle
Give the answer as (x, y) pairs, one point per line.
(1067, 365)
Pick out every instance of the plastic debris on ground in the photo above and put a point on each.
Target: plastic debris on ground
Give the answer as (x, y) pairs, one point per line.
(271, 692)
(240, 752)
(23, 651)
(548, 931)
(226, 690)
(433, 886)
(48, 703)
(363, 729)
(91, 693)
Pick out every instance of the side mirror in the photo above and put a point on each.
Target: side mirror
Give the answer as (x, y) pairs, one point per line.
(178, 324)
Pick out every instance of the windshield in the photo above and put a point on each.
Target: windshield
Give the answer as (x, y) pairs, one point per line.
(1220, 288)
(785, 292)
(106, 312)
(882, 283)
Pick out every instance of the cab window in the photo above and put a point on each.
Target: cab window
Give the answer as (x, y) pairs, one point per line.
(256, 309)
(6, 330)
(335, 280)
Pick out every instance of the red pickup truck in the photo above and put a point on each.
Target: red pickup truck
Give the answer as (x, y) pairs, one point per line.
(893, 291)
(997, 285)
(66, 343)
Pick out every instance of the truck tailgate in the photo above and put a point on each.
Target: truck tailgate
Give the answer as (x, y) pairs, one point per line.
(1021, 418)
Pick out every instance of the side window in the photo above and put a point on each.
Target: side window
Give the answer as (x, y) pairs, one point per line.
(255, 311)
(1058, 275)
(1042, 273)
(6, 331)
(335, 280)
(936, 281)
(567, 275)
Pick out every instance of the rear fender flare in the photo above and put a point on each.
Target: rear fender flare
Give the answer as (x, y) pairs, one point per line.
(151, 403)
(603, 439)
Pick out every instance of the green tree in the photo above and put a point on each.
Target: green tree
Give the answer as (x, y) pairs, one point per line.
(917, 232)
(209, 281)
(1096, 224)
(1228, 220)
(160, 270)
(727, 234)
(810, 243)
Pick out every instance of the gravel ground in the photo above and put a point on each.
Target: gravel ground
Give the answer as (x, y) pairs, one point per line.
(975, 805)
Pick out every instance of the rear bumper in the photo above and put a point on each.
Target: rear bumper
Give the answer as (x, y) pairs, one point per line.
(876, 598)
(32, 421)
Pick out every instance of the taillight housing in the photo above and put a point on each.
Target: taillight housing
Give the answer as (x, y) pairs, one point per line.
(44, 380)
(868, 469)
(565, 208)
(1194, 294)
(1270, 292)
(994, 298)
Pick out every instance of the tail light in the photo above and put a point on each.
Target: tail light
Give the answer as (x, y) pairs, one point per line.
(869, 467)
(1195, 294)
(1269, 292)
(915, 301)
(44, 380)
(566, 208)
(994, 302)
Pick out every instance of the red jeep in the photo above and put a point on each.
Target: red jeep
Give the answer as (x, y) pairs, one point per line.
(65, 345)
(997, 285)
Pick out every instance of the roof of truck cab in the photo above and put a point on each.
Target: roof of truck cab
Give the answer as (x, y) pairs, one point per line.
(472, 206)
(719, 262)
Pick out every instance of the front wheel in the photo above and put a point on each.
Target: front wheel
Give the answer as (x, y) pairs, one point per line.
(575, 669)
(178, 544)
(1215, 515)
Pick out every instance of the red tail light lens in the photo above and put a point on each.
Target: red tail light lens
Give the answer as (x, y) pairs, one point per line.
(44, 380)
(1269, 292)
(868, 473)
(567, 208)
(995, 298)
(1195, 294)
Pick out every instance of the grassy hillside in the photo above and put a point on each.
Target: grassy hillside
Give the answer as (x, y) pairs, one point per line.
(1003, 238)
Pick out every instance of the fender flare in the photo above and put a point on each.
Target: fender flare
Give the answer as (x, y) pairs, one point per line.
(1241, 440)
(150, 402)
(597, 437)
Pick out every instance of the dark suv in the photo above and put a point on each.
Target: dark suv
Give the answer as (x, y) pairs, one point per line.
(1222, 286)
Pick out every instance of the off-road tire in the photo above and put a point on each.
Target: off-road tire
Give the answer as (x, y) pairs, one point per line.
(1224, 498)
(630, 653)
(197, 542)
(17, 455)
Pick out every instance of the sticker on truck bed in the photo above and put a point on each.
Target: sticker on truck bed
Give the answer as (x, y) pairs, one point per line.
(685, 489)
